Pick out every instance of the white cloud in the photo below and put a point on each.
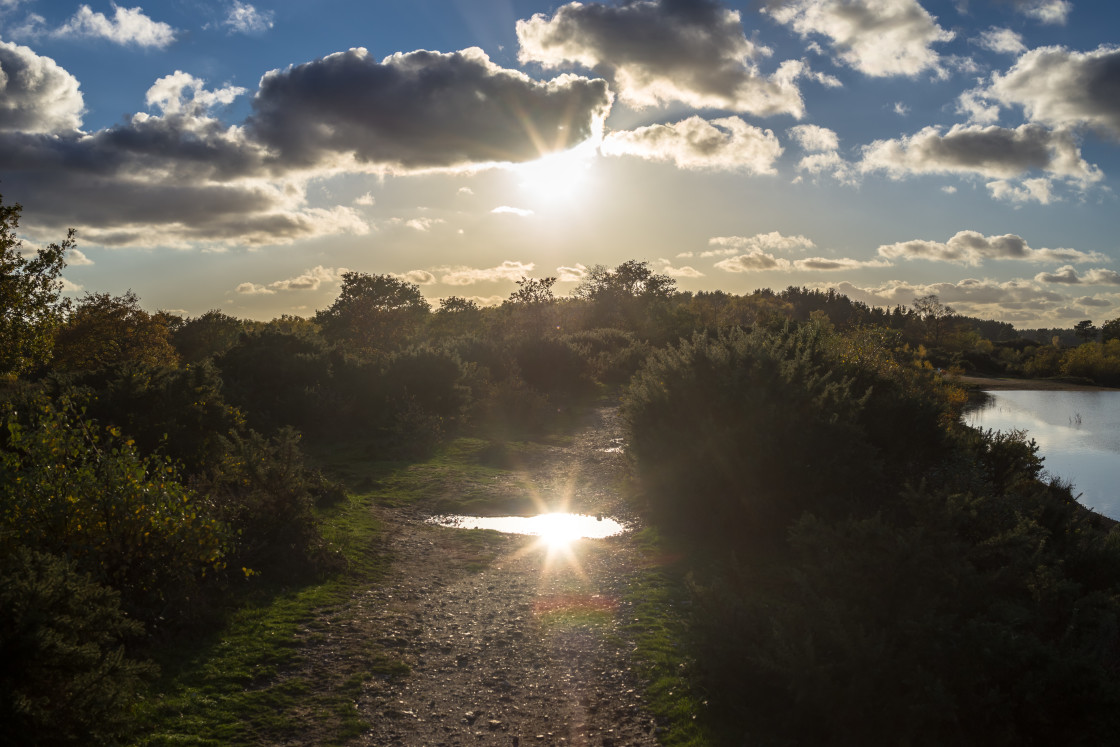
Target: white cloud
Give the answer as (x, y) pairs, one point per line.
(726, 144)
(772, 241)
(814, 138)
(246, 19)
(523, 212)
(1045, 11)
(973, 248)
(831, 264)
(665, 267)
(36, 95)
(876, 37)
(1068, 276)
(831, 164)
(76, 258)
(659, 51)
(574, 274)
(128, 26)
(1030, 190)
(985, 298)
(993, 152)
(508, 270)
(418, 277)
(253, 289)
(1003, 41)
(182, 93)
(754, 261)
(900, 109)
(309, 280)
(365, 200)
(973, 105)
(1062, 88)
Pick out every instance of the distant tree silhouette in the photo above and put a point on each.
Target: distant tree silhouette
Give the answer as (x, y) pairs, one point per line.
(373, 312)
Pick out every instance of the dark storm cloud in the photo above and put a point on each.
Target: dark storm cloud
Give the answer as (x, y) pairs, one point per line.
(657, 51)
(420, 110)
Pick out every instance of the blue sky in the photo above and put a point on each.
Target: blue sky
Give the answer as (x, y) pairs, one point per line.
(242, 156)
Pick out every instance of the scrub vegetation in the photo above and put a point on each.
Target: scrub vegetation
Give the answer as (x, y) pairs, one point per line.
(184, 500)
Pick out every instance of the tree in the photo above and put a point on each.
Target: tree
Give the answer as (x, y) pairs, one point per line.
(105, 330)
(31, 306)
(935, 315)
(373, 312)
(1085, 330)
(1110, 330)
(206, 336)
(456, 316)
(531, 301)
(624, 295)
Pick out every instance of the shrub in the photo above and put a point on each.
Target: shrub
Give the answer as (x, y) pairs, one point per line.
(740, 433)
(70, 487)
(263, 491)
(64, 676)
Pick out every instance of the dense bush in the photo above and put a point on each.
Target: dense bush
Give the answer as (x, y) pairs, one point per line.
(869, 570)
(553, 367)
(72, 488)
(264, 492)
(180, 413)
(65, 678)
(742, 432)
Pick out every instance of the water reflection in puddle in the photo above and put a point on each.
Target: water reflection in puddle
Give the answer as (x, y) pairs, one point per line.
(555, 528)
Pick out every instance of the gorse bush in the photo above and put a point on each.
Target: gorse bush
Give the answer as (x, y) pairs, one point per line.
(263, 491)
(72, 488)
(65, 678)
(868, 570)
(741, 432)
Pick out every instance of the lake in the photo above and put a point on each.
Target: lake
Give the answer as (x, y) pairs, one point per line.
(1078, 433)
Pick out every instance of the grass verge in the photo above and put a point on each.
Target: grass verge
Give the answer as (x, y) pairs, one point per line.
(245, 685)
(673, 694)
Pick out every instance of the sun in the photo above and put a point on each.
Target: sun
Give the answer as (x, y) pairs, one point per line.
(564, 176)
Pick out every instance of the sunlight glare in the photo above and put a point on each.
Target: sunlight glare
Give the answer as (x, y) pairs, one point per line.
(558, 177)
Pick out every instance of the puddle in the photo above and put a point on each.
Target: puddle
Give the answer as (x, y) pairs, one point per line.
(617, 446)
(556, 527)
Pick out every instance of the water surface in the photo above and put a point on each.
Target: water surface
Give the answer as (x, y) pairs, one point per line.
(553, 526)
(1078, 435)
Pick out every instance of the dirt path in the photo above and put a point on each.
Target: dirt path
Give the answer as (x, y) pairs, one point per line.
(531, 649)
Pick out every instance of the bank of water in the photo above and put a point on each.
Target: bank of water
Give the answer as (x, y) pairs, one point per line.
(1078, 435)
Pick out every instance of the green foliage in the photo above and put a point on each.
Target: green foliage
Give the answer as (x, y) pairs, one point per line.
(64, 676)
(201, 338)
(69, 487)
(106, 330)
(553, 367)
(373, 312)
(31, 306)
(980, 607)
(264, 492)
(278, 379)
(178, 412)
(1096, 361)
(740, 433)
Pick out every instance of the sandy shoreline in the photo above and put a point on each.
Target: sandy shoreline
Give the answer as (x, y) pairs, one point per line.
(992, 382)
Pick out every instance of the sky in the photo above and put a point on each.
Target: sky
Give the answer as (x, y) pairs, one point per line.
(218, 154)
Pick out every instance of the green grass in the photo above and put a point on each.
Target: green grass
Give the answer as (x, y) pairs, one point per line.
(243, 685)
(673, 693)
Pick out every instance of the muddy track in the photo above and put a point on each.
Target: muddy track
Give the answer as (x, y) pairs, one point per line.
(505, 642)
